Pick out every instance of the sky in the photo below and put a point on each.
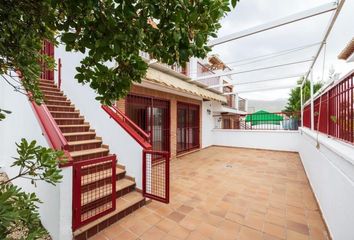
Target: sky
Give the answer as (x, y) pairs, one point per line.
(304, 35)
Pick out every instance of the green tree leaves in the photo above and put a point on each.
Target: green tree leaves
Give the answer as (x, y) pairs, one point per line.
(294, 101)
(106, 31)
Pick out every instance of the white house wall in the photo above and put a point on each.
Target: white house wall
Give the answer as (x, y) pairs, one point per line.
(330, 170)
(260, 139)
(128, 151)
(22, 123)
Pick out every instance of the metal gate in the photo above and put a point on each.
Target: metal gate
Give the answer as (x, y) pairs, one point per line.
(94, 189)
(156, 175)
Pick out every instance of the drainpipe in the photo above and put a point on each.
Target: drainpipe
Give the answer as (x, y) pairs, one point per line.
(312, 105)
(301, 108)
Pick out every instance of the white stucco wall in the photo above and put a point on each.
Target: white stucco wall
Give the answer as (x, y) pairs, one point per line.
(261, 139)
(207, 124)
(22, 123)
(128, 151)
(330, 170)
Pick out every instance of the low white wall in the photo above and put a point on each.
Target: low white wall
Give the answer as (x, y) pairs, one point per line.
(330, 170)
(128, 151)
(280, 140)
(22, 123)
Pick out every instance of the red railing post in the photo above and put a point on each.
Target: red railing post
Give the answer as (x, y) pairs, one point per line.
(59, 73)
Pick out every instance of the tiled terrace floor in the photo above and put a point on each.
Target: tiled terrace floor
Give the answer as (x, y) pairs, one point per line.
(229, 193)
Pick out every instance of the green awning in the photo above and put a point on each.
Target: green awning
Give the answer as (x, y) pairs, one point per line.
(264, 117)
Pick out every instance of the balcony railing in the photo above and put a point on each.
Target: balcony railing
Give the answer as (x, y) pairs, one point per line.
(175, 67)
(259, 121)
(242, 104)
(334, 110)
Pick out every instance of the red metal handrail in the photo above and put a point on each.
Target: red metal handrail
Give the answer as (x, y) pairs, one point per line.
(50, 129)
(129, 126)
(59, 73)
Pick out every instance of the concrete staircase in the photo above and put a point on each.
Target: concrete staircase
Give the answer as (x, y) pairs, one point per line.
(85, 145)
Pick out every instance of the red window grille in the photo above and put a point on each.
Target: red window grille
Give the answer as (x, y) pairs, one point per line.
(188, 127)
(153, 116)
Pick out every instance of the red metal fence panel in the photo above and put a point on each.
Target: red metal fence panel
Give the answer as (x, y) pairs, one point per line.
(156, 175)
(94, 189)
(334, 111)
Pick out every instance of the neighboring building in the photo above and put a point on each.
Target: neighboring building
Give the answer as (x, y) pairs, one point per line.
(348, 52)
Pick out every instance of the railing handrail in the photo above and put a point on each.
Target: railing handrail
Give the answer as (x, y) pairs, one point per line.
(55, 137)
(137, 128)
(324, 89)
(51, 131)
(133, 129)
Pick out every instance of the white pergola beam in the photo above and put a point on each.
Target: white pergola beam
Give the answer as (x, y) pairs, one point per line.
(263, 89)
(276, 23)
(235, 72)
(333, 19)
(256, 81)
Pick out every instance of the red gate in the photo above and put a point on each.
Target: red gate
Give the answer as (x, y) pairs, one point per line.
(94, 189)
(156, 175)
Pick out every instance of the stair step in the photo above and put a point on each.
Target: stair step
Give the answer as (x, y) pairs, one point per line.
(124, 206)
(84, 144)
(61, 108)
(69, 121)
(49, 88)
(46, 81)
(123, 187)
(57, 102)
(48, 85)
(78, 136)
(61, 114)
(89, 153)
(52, 93)
(74, 128)
(55, 97)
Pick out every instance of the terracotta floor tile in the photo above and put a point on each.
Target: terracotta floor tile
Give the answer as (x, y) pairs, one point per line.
(153, 234)
(176, 216)
(166, 225)
(247, 233)
(140, 227)
(179, 232)
(291, 235)
(184, 209)
(112, 231)
(274, 230)
(126, 235)
(298, 227)
(190, 223)
(99, 236)
(230, 194)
